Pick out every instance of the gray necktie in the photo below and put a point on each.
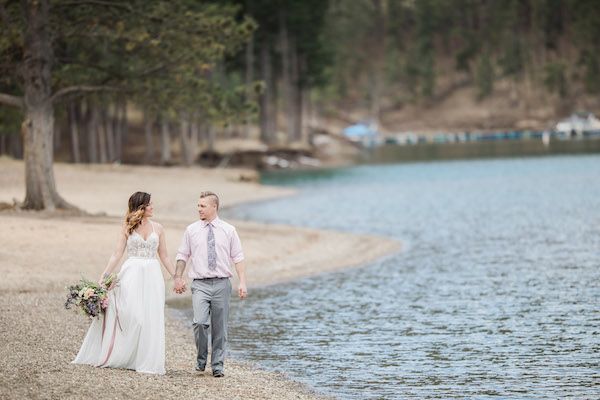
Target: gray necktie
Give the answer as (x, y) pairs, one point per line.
(212, 250)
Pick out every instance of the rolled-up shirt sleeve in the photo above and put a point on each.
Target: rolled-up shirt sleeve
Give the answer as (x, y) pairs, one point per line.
(184, 250)
(235, 252)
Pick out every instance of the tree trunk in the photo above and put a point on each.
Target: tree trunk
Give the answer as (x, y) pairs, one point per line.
(165, 142)
(194, 133)
(309, 116)
(16, 146)
(210, 137)
(83, 124)
(184, 131)
(115, 126)
(123, 127)
(101, 130)
(249, 80)
(266, 99)
(74, 130)
(302, 115)
(286, 78)
(57, 135)
(378, 62)
(110, 133)
(37, 128)
(92, 133)
(297, 65)
(148, 124)
(3, 146)
(274, 108)
(120, 128)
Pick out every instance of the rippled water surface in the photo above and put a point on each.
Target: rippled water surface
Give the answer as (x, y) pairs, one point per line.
(497, 293)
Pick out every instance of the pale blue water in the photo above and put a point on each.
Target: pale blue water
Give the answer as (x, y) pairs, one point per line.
(496, 295)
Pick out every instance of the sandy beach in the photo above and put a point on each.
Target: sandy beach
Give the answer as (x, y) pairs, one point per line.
(41, 253)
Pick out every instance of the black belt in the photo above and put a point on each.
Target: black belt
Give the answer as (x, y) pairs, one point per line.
(208, 279)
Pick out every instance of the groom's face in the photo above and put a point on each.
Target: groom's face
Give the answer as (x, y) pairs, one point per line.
(207, 209)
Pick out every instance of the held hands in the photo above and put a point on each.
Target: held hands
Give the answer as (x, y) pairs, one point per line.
(179, 285)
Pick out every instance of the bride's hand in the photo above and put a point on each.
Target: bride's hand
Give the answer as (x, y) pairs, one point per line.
(102, 281)
(179, 286)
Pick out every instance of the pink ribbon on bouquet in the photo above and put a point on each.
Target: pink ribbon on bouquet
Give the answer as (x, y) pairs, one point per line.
(112, 341)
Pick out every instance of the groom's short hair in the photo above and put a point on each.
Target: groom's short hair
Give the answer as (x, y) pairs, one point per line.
(214, 197)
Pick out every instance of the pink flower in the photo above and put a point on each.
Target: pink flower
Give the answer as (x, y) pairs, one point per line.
(104, 303)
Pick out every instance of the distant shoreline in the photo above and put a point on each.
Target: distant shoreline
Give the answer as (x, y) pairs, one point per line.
(394, 153)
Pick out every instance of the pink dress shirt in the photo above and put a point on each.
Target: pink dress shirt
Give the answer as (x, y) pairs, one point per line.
(193, 249)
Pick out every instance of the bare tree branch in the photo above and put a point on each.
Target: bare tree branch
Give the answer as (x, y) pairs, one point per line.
(10, 100)
(161, 66)
(82, 89)
(109, 4)
(113, 73)
(95, 3)
(71, 61)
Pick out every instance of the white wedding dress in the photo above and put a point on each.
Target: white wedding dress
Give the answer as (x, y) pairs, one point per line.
(131, 334)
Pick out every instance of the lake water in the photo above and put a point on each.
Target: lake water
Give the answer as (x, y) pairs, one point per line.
(496, 294)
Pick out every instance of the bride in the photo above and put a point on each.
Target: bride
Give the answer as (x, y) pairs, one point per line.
(131, 333)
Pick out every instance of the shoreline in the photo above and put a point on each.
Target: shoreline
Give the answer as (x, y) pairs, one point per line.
(43, 252)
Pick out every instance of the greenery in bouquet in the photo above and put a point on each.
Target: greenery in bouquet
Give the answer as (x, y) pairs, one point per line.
(90, 298)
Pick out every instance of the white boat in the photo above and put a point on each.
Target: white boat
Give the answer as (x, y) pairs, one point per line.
(578, 123)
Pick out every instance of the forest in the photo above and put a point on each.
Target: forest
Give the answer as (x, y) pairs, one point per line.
(159, 82)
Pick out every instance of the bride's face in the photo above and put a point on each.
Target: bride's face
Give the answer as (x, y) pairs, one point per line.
(149, 210)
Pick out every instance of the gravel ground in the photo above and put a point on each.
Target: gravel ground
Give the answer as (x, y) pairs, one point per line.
(41, 253)
(40, 338)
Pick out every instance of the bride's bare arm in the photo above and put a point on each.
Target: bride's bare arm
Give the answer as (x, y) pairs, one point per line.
(117, 253)
(162, 251)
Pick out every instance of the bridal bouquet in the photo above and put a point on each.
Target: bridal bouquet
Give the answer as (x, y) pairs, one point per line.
(90, 297)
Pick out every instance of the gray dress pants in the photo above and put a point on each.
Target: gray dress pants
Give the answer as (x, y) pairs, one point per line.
(210, 300)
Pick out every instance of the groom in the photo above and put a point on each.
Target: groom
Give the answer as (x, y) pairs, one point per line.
(210, 246)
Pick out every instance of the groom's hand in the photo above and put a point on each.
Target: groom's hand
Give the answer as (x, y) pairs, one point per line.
(242, 291)
(179, 285)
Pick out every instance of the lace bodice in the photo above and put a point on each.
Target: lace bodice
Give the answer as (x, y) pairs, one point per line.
(138, 247)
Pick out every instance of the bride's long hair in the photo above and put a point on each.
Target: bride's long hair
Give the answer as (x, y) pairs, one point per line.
(137, 207)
